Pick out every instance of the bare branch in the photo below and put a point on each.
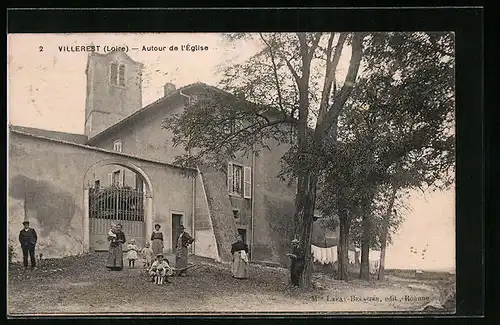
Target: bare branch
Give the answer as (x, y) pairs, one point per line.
(352, 73)
(230, 137)
(330, 74)
(275, 72)
(314, 45)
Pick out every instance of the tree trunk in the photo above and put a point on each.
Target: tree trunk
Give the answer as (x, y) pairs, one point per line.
(385, 234)
(383, 246)
(343, 249)
(306, 197)
(364, 272)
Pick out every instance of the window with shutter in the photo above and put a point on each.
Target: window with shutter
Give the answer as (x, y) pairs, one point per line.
(122, 178)
(121, 75)
(116, 178)
(113, 78)
(237, 179)
(247, 187)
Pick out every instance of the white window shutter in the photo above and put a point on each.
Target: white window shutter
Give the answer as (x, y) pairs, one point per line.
(110, 178)
(122, 178)
(230, 177)
(247, 187)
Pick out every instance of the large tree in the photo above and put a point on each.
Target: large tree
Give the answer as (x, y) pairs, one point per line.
(397, 125)
(292, 80)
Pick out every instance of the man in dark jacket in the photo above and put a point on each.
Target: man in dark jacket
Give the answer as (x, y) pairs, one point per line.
(28, 238)
(298, 261)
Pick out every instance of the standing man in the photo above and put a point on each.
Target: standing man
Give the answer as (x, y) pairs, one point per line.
(181, 256)
(28, 238)
(298, 261)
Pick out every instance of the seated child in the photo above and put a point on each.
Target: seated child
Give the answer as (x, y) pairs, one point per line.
(160, 270)
(147, 256)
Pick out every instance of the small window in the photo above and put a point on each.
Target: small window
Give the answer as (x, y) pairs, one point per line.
(117, 74)
(117, 145)
(239, 180)
(236, 213)
(97, 184)
(121, 75)
(116, 178)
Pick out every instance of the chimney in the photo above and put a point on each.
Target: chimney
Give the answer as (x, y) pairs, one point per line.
(168, 89)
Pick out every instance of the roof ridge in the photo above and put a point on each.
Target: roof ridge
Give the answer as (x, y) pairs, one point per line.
(86, 146)
(14, 126)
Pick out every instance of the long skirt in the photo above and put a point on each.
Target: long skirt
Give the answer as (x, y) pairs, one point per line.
(239, 267)
(157, 247)
(181, 258)
(115, 257)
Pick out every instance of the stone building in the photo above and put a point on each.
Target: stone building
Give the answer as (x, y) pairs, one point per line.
(72, 186)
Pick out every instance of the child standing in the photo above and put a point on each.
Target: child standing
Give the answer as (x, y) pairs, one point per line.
(147, 255)
(132, 253)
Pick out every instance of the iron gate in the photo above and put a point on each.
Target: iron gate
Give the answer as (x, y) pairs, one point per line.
(116, 204)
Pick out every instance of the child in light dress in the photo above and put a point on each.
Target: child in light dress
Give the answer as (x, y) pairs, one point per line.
(147, 256)
(160, 270)
(132, 253)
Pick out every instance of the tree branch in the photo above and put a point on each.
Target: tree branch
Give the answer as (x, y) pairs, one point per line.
(230, 137)
(352, 73)
(331, 68)
(275, 73)
(314, 44)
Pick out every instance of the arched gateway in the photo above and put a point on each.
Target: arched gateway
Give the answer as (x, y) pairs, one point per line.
(131, 207)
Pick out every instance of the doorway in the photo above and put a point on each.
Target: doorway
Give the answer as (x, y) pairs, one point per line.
(176, 223)
(243, 233)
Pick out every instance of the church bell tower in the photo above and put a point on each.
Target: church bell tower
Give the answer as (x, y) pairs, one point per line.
(114, 90)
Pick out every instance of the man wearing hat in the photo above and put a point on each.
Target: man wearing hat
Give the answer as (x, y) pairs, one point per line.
(297, 257)
(181, 256)
(160, 270)
(28, 238)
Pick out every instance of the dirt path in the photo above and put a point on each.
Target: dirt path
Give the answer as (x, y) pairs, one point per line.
(83, 285)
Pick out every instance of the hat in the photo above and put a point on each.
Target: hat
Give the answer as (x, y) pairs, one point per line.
(26, 222)
(158, 255)
(181, 227)
(157, 225)
(295, 241)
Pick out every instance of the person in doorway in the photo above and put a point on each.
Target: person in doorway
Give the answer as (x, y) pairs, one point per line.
(132, 253)
(115, 252)
(157, 240)
(147, 256)
(297, 266)
(27, 239)
(181, 255)
(239, 250)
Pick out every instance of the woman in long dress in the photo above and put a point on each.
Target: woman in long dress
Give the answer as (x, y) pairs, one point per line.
(239, 250)
(157, 240)
(115, 252)
(181, 255)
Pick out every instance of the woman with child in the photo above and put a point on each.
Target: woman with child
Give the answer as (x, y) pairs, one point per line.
(116, 239)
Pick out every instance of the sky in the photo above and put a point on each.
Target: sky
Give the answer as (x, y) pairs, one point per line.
(46, 89)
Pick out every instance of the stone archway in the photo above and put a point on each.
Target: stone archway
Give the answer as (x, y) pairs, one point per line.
(122, 162)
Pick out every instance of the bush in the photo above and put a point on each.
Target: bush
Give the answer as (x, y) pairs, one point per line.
(12, 254)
